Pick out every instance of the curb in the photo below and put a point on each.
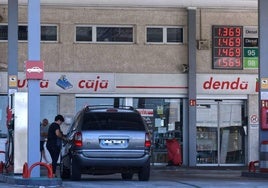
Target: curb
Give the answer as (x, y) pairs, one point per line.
(254, 174)
(35, 181)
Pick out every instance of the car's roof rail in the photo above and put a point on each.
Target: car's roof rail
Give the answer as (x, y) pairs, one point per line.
(108, 106)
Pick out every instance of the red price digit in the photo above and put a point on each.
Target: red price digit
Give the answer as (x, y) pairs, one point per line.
(231, 32)
(222, 62)
(232, 62)
(225, 32)
(231, 52)
(237, 52)
(238, 62)
(238, 32)
(237, 42)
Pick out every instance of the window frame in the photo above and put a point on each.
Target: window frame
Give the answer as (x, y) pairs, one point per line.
(94, 34)
(165, 34)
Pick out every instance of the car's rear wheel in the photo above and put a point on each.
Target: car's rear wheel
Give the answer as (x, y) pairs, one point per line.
(75, 172)
(127, 176)
(144, 173)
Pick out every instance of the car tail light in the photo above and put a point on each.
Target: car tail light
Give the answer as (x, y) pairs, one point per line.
(78, 139)
(147, 140)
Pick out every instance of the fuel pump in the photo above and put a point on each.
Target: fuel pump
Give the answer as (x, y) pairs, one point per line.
(264, 115)
(9, 156)
(16, 148)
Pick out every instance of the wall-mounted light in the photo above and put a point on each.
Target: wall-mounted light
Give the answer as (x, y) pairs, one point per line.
(184, 68)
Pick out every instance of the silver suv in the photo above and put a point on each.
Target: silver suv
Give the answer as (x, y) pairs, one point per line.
(107, 141)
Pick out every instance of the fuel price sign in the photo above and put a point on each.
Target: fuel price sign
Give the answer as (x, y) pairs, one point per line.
(227, 47)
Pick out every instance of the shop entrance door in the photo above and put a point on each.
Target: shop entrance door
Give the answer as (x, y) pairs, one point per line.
(220, 132)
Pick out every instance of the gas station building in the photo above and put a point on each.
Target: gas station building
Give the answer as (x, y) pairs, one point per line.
(191, 69)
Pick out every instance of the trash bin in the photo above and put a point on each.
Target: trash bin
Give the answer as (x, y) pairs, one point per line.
(174, 152)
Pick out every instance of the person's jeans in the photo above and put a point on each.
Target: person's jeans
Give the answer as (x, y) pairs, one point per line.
(54, 153)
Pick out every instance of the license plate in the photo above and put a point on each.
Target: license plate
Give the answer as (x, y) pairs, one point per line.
(113, 142)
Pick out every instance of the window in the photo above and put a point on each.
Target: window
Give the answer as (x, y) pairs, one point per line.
(154, 35)
(104, 34)
(174, 35)
(112, 121)
(48, 32)
(23, 32)
(84, 34)
(164, 35)
(114, 34)
(3, 32)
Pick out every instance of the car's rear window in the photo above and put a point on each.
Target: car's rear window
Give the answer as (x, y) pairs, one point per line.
(112, 121)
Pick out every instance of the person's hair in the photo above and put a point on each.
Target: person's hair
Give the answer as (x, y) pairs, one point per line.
(59, 117)
(45, 121)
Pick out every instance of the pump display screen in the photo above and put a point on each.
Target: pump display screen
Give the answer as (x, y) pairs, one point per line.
(227, 47)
